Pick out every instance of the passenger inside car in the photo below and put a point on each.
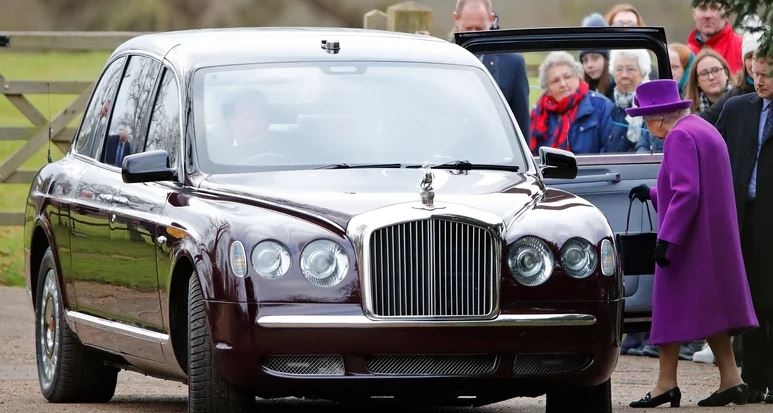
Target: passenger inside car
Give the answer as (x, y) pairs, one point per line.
(242, 133)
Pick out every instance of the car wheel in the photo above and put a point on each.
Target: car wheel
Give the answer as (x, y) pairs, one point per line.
(67, 370)
(597, 399)
(207, 390)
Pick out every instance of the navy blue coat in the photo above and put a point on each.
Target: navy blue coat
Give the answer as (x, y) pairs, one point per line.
(618, 142)
(509, 70)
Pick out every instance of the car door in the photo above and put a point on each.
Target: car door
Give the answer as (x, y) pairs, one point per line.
(132, 221)
(603, 179)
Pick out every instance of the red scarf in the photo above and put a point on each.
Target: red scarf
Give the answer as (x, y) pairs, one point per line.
(565, 110)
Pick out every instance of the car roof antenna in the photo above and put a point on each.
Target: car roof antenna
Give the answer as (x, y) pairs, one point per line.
(50, 132)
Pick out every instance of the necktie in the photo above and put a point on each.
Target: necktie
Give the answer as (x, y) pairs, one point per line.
(767, 130)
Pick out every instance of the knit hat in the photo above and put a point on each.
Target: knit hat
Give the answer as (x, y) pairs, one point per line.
(751, 41)
(594, 20)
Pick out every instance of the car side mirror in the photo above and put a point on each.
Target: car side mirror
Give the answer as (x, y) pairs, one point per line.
(148, 166)
(557, 163)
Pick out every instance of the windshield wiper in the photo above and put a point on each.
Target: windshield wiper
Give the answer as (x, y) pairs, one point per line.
(468, 166)
(366, 165)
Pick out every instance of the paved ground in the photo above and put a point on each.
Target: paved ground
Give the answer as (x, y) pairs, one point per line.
(19, 391)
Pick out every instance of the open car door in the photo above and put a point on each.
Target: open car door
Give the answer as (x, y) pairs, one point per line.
(603, 178)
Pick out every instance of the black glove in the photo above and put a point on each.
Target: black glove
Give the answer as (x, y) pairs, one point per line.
(640, 192)
(660, 253)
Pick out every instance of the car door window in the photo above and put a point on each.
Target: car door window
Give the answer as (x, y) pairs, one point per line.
(98, 112)
(126, 131)
(164, 130)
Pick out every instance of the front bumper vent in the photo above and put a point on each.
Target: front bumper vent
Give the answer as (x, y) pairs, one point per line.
(431, 365)
(305, 365)
(549, 364)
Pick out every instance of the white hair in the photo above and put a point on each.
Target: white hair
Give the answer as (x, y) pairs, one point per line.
(640, 56)
(556, 59)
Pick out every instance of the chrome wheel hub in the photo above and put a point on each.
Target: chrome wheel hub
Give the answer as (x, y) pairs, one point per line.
(49, 327)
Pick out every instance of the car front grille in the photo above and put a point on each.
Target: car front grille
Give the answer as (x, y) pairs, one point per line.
(434, 268)
(431, 365)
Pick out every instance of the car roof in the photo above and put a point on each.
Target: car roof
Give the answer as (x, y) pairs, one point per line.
(191, 49)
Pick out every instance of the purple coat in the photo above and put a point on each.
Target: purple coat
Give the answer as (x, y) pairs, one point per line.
(704, 291)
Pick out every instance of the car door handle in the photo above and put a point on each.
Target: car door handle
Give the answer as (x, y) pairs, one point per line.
(613, 177)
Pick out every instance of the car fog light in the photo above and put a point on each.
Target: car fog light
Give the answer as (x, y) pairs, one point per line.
(578, 258)
(608, 258)
(238, 259)
(270, 259)
(530, 261)
(324, 263)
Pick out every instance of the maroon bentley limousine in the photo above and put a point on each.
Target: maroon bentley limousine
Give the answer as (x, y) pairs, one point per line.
(318, 213)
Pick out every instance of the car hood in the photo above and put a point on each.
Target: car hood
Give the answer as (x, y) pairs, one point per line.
(339, 195)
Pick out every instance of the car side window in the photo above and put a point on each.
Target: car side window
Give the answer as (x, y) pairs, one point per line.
(126, 131)
(164, 130)
(98, 112)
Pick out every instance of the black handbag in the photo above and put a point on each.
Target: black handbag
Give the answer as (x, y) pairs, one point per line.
(637, 250)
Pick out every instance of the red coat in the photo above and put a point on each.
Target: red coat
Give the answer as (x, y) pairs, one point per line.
(727, 43)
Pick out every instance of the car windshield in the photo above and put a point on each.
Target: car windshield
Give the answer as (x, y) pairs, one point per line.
(311, 115)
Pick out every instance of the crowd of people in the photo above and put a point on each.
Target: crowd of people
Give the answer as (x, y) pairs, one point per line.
(712, 121)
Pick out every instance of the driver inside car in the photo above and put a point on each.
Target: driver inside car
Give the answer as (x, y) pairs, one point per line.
(243, 133)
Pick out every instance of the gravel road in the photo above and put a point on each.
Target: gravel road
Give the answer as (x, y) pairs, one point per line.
(20, 392)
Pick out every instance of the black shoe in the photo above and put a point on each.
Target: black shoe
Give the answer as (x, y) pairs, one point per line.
(674, 396)
(756, 395)
(738, 394)
(769, 398)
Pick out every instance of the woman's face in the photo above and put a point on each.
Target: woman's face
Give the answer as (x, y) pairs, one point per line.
(677, 70)
(655, 126)
(593, 64)
(712, 78)
(562, 81)
(627, 74)
(625, 19)
(747, 61)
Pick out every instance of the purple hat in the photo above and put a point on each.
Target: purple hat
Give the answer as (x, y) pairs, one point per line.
(657, 96)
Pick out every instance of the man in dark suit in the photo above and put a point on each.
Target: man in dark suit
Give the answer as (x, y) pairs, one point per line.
(117, 147)
(746, 123)
(508, 69)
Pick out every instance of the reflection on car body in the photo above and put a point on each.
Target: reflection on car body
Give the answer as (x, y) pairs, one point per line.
(309, 264)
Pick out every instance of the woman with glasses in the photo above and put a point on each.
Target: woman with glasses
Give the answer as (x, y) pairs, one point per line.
(624, 15)
(568, 115)
(709, 80)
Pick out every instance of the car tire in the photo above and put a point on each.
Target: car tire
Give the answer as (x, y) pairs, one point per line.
(207, 390)
(596, 399)
(67, 370)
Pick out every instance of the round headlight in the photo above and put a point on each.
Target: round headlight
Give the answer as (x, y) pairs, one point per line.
(324, 263)
(238, 259)
(578, 257)
(270, 259)
(608, 258)
(530, 261)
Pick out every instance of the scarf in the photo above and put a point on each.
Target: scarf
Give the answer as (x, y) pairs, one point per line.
(703, 101)
(625, 101)
(564, 110)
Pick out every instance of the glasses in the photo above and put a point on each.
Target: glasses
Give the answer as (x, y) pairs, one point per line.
(714, 71)
(629, 69)
(624, 23)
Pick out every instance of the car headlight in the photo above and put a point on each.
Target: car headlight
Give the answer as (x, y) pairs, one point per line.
(530, 261)
(608, 258)
(238, 259)
(270, 259)
(324, 263)
(578, 258)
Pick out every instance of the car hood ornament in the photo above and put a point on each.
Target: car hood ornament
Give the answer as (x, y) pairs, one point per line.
(427, 192)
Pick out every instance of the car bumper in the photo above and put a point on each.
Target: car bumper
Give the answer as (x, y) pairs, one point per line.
(324, 350)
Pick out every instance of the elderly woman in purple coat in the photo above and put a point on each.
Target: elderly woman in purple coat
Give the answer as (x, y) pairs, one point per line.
(700, 288)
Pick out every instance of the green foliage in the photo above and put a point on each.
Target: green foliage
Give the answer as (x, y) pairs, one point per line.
(741, 9)
(11, 256)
